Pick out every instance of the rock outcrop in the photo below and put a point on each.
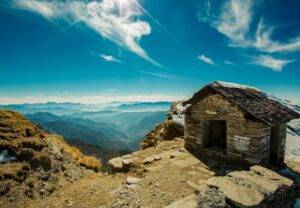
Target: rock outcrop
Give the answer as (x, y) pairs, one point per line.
(169, 129)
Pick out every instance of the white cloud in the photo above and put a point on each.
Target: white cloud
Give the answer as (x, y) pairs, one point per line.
(265, 43)
(110, 58)
(235, 21)
(46, 9)
(270, 62)
(93, 99)
(115, 20)
(205, 59)
(161, 75)
(229, 62)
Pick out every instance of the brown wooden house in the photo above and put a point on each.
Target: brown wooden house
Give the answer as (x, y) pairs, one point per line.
(237, 122)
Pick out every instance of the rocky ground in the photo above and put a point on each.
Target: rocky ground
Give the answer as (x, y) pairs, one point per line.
(41, 170)
(33, 162)
(174, 177)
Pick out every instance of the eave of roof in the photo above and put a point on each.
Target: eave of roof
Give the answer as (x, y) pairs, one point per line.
(250, 98)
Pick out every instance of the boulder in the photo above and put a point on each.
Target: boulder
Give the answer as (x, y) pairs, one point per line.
(240, 196)
(118, 165)
(210, 197)
(148, 160)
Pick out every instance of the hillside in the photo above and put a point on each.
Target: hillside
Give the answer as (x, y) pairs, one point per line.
(32, 161)
(38, 169)
(106, 123)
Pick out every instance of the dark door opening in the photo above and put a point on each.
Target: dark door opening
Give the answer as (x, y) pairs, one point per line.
(275, 146)
(215, 135)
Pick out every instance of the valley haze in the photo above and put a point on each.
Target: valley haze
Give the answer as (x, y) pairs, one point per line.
(114, 126)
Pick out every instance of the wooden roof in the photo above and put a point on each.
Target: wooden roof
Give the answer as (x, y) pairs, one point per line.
(250, 100)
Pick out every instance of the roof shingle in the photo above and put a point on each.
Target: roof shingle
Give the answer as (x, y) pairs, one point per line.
(251, 100)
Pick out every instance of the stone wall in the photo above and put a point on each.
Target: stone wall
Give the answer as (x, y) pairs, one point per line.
(278, 137)
(247, 138)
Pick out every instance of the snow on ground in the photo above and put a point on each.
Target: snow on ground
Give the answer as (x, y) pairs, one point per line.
(4, 157)
(179, 117)
(292, 147)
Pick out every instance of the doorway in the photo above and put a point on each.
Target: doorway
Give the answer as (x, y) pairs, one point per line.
(214, 135)
(275, 143)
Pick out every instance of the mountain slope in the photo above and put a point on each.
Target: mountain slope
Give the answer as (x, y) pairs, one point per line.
(32, 161)
(73, 130)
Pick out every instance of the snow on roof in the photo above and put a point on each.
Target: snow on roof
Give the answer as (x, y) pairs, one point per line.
(251, 100)
(235, 85)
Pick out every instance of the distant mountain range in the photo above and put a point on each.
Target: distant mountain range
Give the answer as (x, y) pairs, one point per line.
(112, 126)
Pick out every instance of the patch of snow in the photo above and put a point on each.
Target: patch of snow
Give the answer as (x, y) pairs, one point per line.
(292, 146)
(4, 157)
(294, 124)
(234, 85)
(284, 102)
(179, 117)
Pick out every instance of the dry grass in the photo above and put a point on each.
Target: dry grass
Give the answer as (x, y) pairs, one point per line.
(13, 125)
(17, 133)
(88, 162)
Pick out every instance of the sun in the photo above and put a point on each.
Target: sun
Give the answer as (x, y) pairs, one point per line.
(125, 6)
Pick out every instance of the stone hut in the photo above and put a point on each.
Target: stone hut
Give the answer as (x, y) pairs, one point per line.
(237, 122)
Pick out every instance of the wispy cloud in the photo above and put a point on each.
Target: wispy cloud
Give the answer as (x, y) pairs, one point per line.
(109, 58)
(235, 21)
(94, 99)
(161, 75)
(115, 20)
(271, 62)
(265, 43)
(206, 59)
(46, 9)
(229, 62)
(205, 14)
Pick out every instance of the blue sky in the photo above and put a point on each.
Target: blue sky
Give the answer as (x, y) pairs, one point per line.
(145, 50)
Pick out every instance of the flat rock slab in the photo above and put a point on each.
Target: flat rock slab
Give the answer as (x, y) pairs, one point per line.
(293, 166)
(252, 180)
(239, 195)
(186, 162)
(187, 202)
(272, 175)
